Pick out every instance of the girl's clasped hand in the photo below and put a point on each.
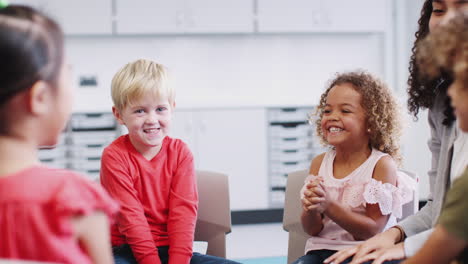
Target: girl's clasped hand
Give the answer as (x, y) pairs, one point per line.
(315, 196)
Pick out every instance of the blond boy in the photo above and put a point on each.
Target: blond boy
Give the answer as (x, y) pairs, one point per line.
(151, 174)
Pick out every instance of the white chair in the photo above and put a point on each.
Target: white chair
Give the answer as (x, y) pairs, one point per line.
(292, 215)
(214, 211)
(413, 207)
(293, 209)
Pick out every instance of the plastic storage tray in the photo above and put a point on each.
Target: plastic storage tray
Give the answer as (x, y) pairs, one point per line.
(289, 114)
(103, 138)
(292, 155)
(288, 167)
(93, 121)
(290, 131)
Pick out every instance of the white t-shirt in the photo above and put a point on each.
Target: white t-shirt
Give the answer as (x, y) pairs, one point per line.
(460, 154)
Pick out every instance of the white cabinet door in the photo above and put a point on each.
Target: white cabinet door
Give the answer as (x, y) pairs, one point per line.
(323, 15)
(183, 126)
(219, 16)
(32, 3)
(149, 16)
(357, 15)
(184, 16)
(235, 142)
(84, 17)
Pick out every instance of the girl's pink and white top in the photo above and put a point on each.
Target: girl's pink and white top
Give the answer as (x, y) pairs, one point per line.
(355, 191)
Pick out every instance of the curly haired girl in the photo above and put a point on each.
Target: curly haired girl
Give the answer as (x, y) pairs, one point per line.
(383, 118)
(406, 238)
(354, 188)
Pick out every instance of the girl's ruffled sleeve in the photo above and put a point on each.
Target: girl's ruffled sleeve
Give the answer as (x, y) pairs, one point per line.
(306, 181)
(80, 196)
(389, 197)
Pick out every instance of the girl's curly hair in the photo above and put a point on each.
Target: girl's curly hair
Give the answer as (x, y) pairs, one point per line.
(422, 91)
(446, 51)
(382, 111)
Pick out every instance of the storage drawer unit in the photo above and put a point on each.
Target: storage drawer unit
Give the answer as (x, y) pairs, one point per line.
(58, 152)
(93, 121)
(55, 156)
(60, 163)
(87, 151)
(288, 115)
(287, 167)
(292, 145)
(80, 146)
(89, 134)
(283, 143)
(92, 138)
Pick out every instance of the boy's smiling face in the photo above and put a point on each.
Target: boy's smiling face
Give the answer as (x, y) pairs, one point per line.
(148, 120)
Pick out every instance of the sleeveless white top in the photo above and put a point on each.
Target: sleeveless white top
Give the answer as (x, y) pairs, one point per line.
(355, 191)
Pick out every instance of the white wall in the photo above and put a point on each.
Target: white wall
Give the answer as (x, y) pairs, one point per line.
(416, 154)
(228, 70)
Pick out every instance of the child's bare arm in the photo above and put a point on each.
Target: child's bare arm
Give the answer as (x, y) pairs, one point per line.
(311, 219)
(360, 226)
(93, 233)
(431, 251)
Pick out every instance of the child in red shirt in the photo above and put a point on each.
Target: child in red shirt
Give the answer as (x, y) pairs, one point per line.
(46, 214)
(151, 174)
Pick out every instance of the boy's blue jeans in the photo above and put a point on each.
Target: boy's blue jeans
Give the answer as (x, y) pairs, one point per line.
(123, 255)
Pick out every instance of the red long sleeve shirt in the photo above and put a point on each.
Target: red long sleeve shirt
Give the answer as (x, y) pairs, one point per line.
(158, 199)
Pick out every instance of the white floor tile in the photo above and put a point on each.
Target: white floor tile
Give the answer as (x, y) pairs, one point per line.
(259, 240)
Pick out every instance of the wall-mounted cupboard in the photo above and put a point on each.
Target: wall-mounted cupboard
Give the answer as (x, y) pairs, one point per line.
(84, 17)
(323, 15)
(184, 16)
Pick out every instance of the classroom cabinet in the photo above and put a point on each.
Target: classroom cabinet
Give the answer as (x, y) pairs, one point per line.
(183, 16)
(97, 17)
(323, 15)
(292, 145)
(84, 17)
(231, 141)
(219, 16)
(148, 16)
(81, 144)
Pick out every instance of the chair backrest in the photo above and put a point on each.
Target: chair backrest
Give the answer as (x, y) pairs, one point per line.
(412, 207)
(293, 209)
(292, 215)
(214, 211)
